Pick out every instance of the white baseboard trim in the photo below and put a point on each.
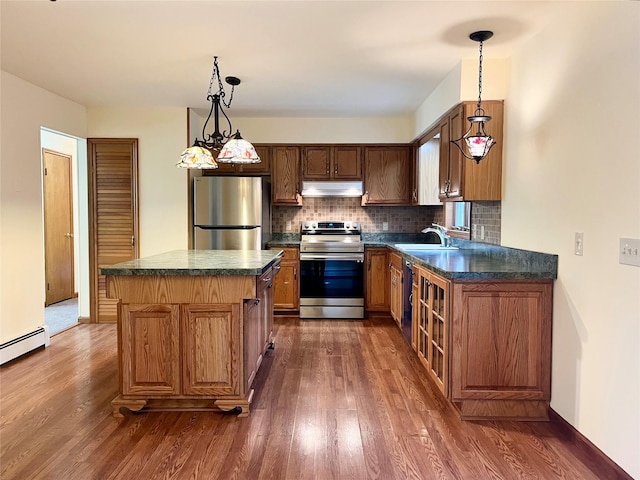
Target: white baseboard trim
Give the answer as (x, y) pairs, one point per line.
(26, 343)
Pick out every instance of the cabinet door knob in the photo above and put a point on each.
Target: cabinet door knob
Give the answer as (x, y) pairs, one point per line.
(257, 301)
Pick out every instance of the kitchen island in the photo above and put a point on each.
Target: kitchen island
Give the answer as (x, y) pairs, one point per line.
(193, 326)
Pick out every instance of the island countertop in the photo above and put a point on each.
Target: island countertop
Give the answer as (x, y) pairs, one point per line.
(198, 262)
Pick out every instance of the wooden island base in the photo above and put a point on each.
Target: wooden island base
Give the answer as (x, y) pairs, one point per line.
(226, 405)
(192, 338)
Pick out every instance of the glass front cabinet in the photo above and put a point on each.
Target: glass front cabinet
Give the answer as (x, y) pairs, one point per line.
(431, 324)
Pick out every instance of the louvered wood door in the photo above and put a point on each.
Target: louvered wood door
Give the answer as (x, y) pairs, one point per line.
(113, 225)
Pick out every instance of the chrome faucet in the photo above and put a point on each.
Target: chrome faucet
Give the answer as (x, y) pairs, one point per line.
(441, 232)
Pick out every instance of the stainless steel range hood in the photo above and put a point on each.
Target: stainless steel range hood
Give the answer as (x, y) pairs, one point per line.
(331, 189)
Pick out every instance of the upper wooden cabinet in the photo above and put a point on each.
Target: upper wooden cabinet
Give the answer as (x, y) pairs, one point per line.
(387, 175)
(285, 176)
(322, 162)
(262, 168)
(462, 179)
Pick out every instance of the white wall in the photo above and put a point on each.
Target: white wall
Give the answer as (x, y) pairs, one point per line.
(445, 96)
(318, 130)
(572, 165)
(162, 188)
(461, 84)
(25, 108)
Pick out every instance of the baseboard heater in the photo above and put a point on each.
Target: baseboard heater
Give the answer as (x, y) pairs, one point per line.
(26, 343)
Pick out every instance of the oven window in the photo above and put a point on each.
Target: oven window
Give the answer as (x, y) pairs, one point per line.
(331, 279)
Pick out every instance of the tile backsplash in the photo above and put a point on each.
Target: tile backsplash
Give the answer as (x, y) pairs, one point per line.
(487, 215)
(399, 219)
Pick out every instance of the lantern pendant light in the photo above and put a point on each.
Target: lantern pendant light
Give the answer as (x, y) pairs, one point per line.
(479, 143)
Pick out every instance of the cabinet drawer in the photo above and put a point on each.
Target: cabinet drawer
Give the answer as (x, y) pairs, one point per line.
(395, 260)
(289, 253)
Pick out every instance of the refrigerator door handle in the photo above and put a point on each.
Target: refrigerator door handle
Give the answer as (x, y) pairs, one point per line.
(227, 227)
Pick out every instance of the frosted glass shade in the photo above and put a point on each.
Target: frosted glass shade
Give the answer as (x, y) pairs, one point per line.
(196, 157)
(238, 150)
(479, 145)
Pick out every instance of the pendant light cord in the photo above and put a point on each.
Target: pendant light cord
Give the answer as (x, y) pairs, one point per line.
(480, 78)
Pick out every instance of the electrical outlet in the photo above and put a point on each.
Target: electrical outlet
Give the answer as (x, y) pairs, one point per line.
(630, 251)
(288, 227)
(481, 232)
(578, 244)
(385, 226)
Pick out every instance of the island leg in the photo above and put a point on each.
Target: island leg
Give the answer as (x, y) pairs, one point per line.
(132, 405)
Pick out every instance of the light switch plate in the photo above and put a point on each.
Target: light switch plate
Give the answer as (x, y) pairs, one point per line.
(630, 251)
(385, 226)
(578, 244)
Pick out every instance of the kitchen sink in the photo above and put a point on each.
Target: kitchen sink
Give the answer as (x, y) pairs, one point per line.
(421, 247)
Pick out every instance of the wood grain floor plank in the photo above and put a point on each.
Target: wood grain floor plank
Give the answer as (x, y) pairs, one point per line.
(334, 400)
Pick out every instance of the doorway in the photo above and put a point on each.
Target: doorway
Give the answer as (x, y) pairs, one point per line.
(64, 193)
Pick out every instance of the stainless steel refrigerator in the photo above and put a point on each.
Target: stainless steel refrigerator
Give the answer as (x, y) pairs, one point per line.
(231, 213)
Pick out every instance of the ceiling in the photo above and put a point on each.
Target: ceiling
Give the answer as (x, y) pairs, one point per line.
(294, 58)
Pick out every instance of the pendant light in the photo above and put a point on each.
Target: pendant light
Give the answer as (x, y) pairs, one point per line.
(479, 143)
(231, 148)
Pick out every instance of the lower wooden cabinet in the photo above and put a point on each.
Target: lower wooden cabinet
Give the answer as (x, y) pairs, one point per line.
(395, 287)
(150, 335)
(501, 349)
(207, 361)
(286, 286)
(153, 337)
(431, 325)
(486, 344)
(376, 279)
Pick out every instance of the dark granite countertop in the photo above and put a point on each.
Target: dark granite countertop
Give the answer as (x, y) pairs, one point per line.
(282, 240)
(479, 261)
(198, 262)
(472, 260)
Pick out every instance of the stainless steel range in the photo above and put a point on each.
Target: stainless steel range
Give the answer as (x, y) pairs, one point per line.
(331, 270)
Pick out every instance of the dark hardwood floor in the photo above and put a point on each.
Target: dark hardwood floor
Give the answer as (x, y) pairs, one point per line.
(335, 399)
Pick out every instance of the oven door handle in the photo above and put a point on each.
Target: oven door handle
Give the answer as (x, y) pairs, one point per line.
(350, 257)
